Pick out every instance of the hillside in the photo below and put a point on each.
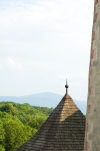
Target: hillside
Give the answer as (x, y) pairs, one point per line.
(19, 122)
(46, 99)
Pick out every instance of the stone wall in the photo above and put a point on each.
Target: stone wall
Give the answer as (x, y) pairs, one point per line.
(92, 131)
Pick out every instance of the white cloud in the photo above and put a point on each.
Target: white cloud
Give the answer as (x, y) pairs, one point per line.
(14, 65)
(10, 62)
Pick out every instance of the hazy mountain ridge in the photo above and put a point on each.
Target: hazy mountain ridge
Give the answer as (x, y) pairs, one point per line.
(46, 99)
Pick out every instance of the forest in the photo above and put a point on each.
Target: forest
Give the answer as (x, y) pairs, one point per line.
(19, 122)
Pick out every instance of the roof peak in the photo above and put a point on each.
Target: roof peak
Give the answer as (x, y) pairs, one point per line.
(60, 131)
(66, 86)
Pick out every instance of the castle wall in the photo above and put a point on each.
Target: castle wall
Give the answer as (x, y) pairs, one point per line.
(92, 131)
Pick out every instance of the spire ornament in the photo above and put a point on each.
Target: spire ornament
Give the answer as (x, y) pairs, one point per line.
(66, 86)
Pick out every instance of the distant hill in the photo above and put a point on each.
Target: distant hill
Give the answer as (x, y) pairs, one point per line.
(46, 99)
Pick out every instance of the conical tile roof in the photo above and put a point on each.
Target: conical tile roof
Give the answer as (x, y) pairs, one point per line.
(63, 130)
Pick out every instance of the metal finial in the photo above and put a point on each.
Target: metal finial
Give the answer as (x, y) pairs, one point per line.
(66, 86)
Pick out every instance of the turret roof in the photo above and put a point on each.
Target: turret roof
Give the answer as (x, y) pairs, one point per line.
(64, 130)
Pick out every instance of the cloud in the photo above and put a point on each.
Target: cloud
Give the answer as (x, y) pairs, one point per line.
(9, 65)
(10, 61)
(45, 39)
(13, 64)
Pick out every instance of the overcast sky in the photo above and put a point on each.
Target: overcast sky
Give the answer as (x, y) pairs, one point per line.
(43, 42)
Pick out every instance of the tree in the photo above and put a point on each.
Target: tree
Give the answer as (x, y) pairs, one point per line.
(9, 108)
(15, 134)
(2, 148)
(18, 123)
(37, 121)
(2, 134)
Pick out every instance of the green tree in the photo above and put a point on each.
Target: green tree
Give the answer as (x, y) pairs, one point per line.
(2, 148)
(2, 133)
(9, 108)
(19, 122)
(37, 121)
(15, 134)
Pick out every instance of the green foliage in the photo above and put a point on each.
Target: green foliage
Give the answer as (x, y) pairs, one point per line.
(44, 110)
(16, 134)
(36, 121)
(19, 122)
(2, 133)
(9, 108)
(2, 148)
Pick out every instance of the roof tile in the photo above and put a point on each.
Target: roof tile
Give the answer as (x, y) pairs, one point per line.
(64, 130)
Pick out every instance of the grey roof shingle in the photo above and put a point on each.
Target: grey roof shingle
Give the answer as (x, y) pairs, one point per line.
(64, 130)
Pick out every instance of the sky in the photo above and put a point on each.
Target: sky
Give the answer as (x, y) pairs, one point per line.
(43, 42)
